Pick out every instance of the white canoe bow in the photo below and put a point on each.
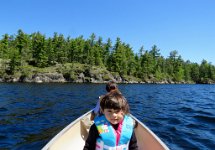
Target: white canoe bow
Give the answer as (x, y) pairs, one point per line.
(74, 135)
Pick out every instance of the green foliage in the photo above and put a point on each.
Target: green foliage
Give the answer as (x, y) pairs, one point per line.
(74, 56)
(4, 46)
(158, 74)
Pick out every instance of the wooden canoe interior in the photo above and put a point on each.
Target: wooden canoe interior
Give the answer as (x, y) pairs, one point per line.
(74, 135)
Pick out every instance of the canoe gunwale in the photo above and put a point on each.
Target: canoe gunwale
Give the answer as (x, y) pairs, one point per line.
(151, 132)
(49, 144)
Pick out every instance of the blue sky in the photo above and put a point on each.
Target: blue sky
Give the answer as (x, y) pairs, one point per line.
(187, 26)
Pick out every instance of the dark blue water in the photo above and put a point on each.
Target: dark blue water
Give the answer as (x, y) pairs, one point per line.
(183, 116)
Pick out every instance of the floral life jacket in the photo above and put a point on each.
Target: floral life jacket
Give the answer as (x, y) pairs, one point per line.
(111, 139)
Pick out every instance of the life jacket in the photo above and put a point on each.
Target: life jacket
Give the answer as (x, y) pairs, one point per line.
(108, 138)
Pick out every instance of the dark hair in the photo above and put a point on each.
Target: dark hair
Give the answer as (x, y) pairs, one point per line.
(111, 85)
(115, 100)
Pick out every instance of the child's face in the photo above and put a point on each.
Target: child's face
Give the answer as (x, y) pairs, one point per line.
(113, 116)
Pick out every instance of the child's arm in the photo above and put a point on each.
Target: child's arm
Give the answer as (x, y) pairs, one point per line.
(96, 110)
(133, 142)
(90, 143)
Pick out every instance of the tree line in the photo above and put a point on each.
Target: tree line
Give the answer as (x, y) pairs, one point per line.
(17, 51)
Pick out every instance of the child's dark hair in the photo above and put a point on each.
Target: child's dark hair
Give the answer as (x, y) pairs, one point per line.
(114, 100)
(111, 85)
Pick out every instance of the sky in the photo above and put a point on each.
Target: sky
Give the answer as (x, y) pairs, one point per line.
(187, 26)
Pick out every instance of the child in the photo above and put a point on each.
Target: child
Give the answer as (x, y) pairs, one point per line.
(115, 128)
(110, 86)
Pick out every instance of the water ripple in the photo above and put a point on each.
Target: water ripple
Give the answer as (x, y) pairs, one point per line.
(182, 116)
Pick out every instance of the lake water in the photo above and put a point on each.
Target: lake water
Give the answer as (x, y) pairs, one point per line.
(183, 116)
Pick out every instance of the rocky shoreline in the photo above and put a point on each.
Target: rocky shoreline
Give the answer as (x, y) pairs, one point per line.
(81, 73)
(81, 78)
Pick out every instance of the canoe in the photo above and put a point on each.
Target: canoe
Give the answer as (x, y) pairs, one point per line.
(74, 135)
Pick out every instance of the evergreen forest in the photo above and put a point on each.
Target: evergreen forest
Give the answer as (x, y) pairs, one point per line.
(21, 51)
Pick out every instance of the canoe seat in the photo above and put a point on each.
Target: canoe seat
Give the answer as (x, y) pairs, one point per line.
(87, 123)
(85, 127)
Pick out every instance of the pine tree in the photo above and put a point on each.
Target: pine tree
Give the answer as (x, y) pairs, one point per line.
(106, 52)
(4, 47)
(23, 44)
(39, 50)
